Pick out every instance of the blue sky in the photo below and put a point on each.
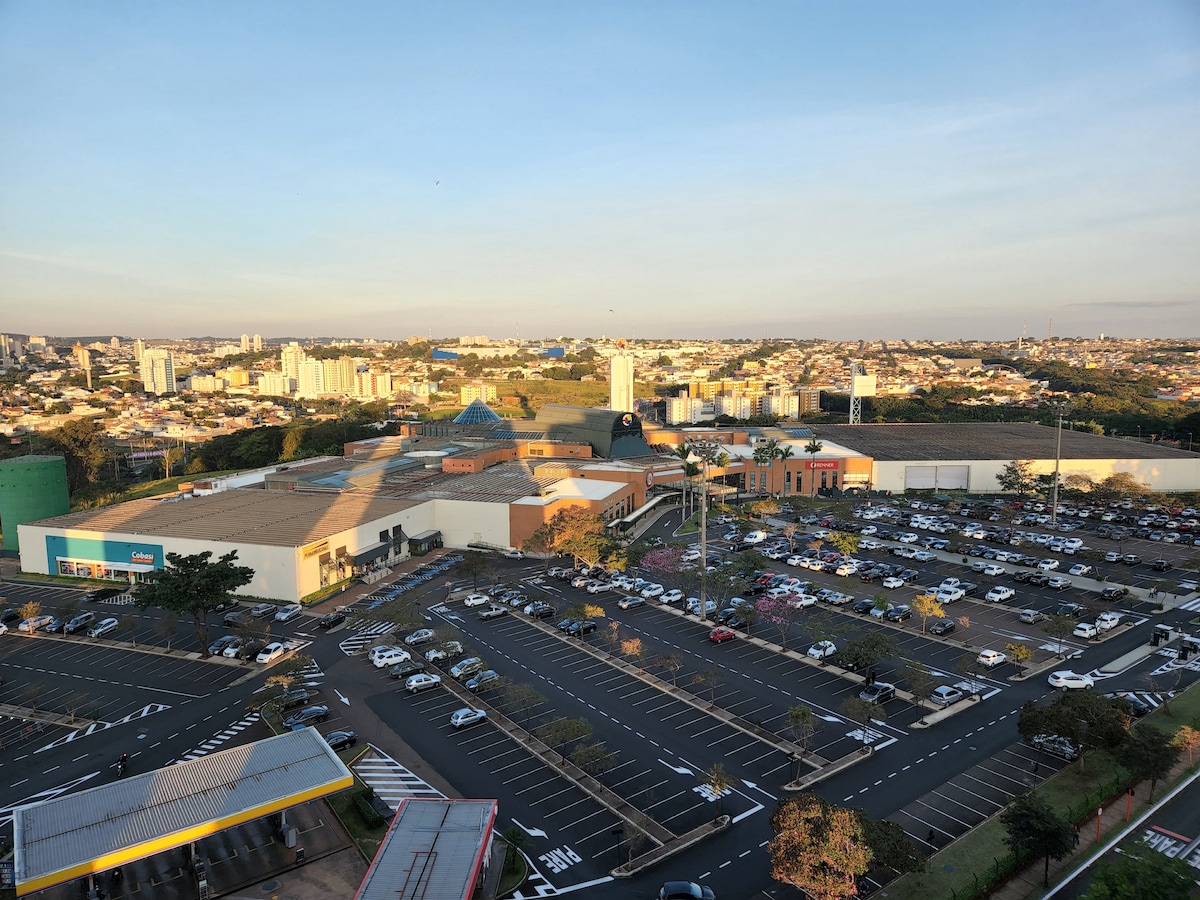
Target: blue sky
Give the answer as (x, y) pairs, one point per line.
(839, 169)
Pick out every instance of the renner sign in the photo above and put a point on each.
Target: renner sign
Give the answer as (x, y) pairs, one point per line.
(822, 464)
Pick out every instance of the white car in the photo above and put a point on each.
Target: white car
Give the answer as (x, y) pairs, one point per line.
(991, 658)
(289, 612)
(822, 649)
(624, 582)
(801, 601)
(37, 623)
(271, 652)
(893, 582)
(907, 538)
(950, 595)
(421, 681)
(103, 627)
(1106, 621)
(651, 591)
(1086, 630)
(948, 584)
(476, 600)
(1112, 556)
(1080, 569)
(375, 652)
(869, 544)
(514, 554)
(598, 587)
(993, 569)
(1048, 565)
(391, 656)
(690, 556)
(1000, 594)
(924, 556)
(463, 717)
(1068, 680)
(672, 596)
(580, 581)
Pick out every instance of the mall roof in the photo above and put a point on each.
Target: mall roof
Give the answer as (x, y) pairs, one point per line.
(250, 516)
(986, 440)
(434, 850)
(97, 829)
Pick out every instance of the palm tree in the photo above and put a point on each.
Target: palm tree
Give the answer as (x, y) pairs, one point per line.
(690, 469)
(813, 447)
(783, 453)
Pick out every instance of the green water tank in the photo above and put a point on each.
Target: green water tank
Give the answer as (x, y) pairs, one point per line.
(31, 488)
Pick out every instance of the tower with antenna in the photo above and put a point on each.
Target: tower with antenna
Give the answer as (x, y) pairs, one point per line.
(861, 385)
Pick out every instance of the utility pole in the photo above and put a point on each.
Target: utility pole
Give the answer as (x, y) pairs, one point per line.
(706, 451)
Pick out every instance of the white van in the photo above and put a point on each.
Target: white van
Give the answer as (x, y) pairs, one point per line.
(755, 537)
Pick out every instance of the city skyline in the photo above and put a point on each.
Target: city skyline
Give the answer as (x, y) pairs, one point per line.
(930, 172)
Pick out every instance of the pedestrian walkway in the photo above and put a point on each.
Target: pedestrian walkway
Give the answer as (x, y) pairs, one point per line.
(355, 643)
(219, 738)
(391, 781)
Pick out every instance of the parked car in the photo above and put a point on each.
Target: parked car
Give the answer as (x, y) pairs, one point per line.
(310, 715)
(421, 681)
(1059, 583)
(420, 636)
(671, 596)
(289, 612)
(1087, 630)
(80, 622)
(486, 678)
(35, 624)
(893, 582)
(991, 658)
(103, 627)
(261, 610)
(217, 647)
(271, 652)
(476, 600)
(631, 602)
(463, 717)
(945, 695)
(1055, 744)
(898, 613)
(341, 740)
(1032, 616)
(579, 629)
(999, 594)
(391, 656)
(941, 627)
(1113, 593)
(879, 692)
(1074, 610)
(404, 669)
(292, 698)
(1136, 705)
(514, 554)
(331, 620)
(448, 650)
(685, 890)
(541, 610)
(1080, 569)
(466, 668)
(1068, 680)
(822, 650)
(1106, 621)
(235, 618)
(721, 634)
(493, 612)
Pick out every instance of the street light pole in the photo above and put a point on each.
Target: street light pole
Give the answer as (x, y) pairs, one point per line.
(706, 450)
(1059, 409)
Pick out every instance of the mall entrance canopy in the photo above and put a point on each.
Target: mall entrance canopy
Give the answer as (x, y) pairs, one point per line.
(91, 831)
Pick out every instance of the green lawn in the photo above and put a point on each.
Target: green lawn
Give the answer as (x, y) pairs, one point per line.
(1071, 792)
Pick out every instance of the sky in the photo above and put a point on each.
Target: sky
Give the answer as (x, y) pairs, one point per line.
(866, 169)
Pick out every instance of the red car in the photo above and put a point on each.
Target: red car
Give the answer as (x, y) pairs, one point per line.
(721, 634)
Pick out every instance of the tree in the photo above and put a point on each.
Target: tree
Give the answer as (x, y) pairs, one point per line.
(167, 626)
(845, 541)
(1059, 628)
(779, 612)
(968, 666)
(882, 602)
(868, 650)
(747, 615)
(802, 725)
(719, 781)
(561, 732)
(920, 683)
(632, 647)
(672, 662)
(1187, 738)
(711, 680)
(1140, 876)
(1087, 719)
(194, 586)
(473, 564)
(1148, 752)
(1034, 828)
(862, 712)
(580, 534)
(926, 607)
(130, 626)
(31, 610)
(593, 758)
(522, 698)
(818, 848)
(812, 448)
(541, 543)
(1019, 654)
(1017, 477)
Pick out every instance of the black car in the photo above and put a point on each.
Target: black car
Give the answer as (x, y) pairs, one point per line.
(565, 624)
(1160, 565)
(898, 613)
(217, 647)
(1074, 610)
(579, 629)
(331, 620)
(1041, 579)
(1113, 593)
(57, 625)
(685, 890)
(542, 610)
(941, 626)
(404, 669)
(1022, 577)
(293, 698)
(1136, 706)
(9, 615)
(340, 740)
(307, 716)
(862, 607)
(234, 619)
(486, 678)
(251, 648)
(103, 594)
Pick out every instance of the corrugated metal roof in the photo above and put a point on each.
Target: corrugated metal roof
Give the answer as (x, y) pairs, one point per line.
(433, 851)
(135, 817)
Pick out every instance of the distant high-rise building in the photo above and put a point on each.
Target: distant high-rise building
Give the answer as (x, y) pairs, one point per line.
(620, 384)
(469, 392)
(114, 342)
(158, 371)
(139, 348)
(37, 342)
(290, 358)
(257, 343)
(245, 343)
(311, 381)
(83, 356)
(273, 385)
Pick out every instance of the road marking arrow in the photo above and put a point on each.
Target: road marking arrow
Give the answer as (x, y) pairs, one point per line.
(682, 770)
(532, 832)
(755, 787)
(341, 696)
